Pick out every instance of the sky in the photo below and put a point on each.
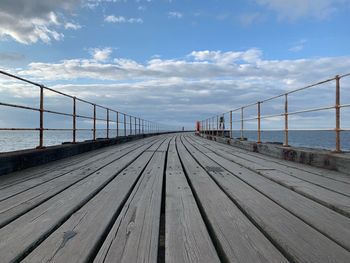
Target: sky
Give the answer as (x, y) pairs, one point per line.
(175, 61)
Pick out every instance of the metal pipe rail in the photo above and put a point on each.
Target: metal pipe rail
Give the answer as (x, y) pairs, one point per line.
(211, 125)
(136, 125)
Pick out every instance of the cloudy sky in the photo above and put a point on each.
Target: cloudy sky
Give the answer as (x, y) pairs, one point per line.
(175, 61)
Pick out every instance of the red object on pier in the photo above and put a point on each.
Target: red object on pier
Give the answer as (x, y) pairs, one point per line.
(198, 127)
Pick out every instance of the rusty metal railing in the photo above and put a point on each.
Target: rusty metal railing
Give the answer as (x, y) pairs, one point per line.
(137, 125)
(211, 126)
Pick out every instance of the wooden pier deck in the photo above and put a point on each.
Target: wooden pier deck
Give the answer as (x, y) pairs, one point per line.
(174, 198)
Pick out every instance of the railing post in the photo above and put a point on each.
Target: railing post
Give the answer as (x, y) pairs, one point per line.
(337, 114)
(259, 122)
(41, 129)
(124, 124)
(209, 131)
(74, 120)
(139, 126)
(210, 128)
(207, 126)
(285, 144)
(143, 128)
(231, 124)
(117, 124)
(135, 126)
(217, 125)
(242, 124)
(107, 123)
(130, 125)
(213, 124)
(222, 124)
(94, 128)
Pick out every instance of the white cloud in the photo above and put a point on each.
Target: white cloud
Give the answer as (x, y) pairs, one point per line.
(197, 65)
(204, 83)
(174, 14)
(122, 19)
(72, 26)
(295, 9)
(298, 46)
(251, 55)
(31, 21)
(92, 4)
(101, 55)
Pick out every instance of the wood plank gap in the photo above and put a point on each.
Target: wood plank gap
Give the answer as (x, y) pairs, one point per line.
(291, 249)
(18, 186)
(84, 244)
(328, 222)
(335, 201)
(217, 246)
(28, 200)
(161, 239)
(263, 251)
(37, 233)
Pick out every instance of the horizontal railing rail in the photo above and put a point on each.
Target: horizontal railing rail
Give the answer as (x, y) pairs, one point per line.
(213, 125)
(128, 124)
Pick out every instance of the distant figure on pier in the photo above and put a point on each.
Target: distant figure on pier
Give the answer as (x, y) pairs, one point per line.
(222, 125)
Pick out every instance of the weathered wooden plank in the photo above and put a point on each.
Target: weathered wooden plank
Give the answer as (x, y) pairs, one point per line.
(260, 164)
(37, 171)
(24, 233)
(289, 167)
(20, 181)
(17, 205)
(338, 202)
(79, 237)
(134, 235)
(325, 220)
(186, 238)
(236, 237)
(299, 241)
(32, 172)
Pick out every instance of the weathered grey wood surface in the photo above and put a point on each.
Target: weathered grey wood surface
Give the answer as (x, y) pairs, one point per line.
(26, 231)
(220, 204)
(300, 241)
(16, 205)
(58, 167)
(137, 225)
(187, 239)
(287, 166)
(18, 182)
(236, 237)
(334, 200)
(76, 240)
(327, 221)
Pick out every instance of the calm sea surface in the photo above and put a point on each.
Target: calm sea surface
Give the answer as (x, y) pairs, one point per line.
(18, 140)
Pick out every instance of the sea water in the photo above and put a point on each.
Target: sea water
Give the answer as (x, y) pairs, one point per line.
(19, 140)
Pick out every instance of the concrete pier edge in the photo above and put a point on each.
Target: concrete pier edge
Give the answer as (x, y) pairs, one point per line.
(315, 157)
(22, 159)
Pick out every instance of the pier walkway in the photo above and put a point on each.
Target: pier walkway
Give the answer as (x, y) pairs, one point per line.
(174, 198)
